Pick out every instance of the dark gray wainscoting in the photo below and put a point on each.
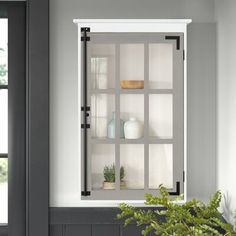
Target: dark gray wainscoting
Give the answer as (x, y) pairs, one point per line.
(3, 229)
(89, 222)
(92, 222)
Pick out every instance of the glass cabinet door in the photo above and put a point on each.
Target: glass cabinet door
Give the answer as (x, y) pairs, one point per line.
(133, 105)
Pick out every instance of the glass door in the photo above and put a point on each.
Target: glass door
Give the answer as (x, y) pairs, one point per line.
(134, 113)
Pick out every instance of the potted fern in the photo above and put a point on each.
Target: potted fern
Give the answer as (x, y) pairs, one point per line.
(110, 177)
(192, 218)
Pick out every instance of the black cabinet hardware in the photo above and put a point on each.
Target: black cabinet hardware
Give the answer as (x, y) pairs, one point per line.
(177, 192)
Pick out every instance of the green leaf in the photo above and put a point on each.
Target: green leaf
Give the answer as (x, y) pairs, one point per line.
(192, 218)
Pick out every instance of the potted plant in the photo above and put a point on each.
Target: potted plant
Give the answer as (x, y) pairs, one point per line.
(110, 177)
(165, 217)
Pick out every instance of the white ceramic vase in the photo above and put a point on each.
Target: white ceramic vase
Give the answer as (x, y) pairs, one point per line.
(133, 129)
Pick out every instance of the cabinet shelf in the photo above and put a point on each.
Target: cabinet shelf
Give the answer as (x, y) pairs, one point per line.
(160, 91)
(103, 91)
(150, 91)
(151, 140)
(102, 140)
(132, 91)
(155, 140)
(132, 141)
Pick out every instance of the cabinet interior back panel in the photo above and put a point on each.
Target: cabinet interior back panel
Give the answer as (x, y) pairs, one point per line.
(161, 115)
(131, 61)
(161, 66)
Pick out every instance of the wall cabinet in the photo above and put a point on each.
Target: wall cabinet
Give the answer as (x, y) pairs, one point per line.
(132, 78)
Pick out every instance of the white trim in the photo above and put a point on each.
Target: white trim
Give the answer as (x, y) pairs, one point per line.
(73, 200)
(112, 21)
(130, 25)
(134, 25)
(79, 111)
(185, 114)
(108, 203)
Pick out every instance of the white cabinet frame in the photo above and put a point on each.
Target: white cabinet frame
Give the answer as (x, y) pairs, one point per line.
(128, 26)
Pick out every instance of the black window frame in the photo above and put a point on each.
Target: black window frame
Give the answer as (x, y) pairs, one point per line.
(29, 196)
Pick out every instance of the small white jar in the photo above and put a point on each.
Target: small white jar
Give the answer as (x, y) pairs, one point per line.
(133, 129)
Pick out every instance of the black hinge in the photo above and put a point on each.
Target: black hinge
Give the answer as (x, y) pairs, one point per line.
(85, 30)
(87, 126)
(183, 54)
(85, 193)
(87, 108)
(183, 176)
(87, 38)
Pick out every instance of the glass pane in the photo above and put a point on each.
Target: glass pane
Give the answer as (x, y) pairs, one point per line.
(3, 52)
(102, 66)
(132, 63)
(102, 110)
(160, 165)
(3, 121)
(161, 115)
(103, 166)
(3, 190)
(132, 113)
(132, 162)
(161, 66)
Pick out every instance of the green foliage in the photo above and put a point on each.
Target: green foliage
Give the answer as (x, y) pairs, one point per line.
(3, 71)
(235, 221)
(122, 173)
(3, 170)
(192, 218)
(109, 173)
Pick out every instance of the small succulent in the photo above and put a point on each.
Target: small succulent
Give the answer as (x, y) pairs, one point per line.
(109, 173)
(122, 173)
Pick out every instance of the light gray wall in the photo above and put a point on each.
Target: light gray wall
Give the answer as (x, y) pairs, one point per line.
(226, 104)
(201, 109)
(63, 87)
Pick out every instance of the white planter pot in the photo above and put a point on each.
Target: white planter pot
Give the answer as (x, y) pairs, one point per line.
(133, 129)
(122, 185)
(109, 185)
(112, 185)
